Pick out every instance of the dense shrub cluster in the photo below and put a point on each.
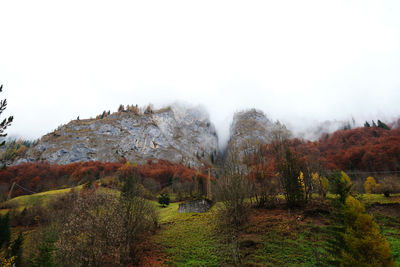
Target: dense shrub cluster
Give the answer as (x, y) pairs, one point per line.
(93, 227)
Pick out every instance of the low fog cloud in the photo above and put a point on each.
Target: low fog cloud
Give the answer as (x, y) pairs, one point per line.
(302, 63)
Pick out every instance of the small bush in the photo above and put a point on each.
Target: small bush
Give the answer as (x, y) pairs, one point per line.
(163, 199)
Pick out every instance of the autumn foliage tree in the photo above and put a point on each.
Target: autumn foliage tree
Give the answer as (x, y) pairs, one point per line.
(263, 173)
(42, 176)
(363, 149)
(268, 162)
(154, 175)
(370, 185)
(371, 149)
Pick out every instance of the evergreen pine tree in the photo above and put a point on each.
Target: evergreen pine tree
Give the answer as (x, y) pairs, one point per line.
(130, 188)
(45, 255)
(7, 121)
(163, 199)
(383, 125)
(336, 231)
(293, 186)
(341, 185)
(5, 233)
(16, 249)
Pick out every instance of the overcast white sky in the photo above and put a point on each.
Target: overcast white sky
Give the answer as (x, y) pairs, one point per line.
(293, 59)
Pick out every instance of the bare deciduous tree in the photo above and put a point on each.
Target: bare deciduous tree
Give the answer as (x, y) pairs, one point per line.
(233, 190)
(91, 234)
(102, 229)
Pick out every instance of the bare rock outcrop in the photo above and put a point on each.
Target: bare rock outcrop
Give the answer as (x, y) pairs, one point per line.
(251, 128)
(177, 134)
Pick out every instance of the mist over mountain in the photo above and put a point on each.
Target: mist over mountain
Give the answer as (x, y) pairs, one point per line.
(300, 126)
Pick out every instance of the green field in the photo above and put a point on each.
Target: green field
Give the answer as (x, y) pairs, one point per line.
(190, 239)
(40, 198)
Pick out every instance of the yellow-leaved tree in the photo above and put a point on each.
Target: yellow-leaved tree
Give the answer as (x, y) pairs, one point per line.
(370, 185)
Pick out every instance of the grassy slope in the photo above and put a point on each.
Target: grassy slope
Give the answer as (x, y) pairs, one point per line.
(301, 247)
(390, 227)
(193, 239)
(279, 239)
(388, 221)
(190, 239)
(42, 198)
(367, 199)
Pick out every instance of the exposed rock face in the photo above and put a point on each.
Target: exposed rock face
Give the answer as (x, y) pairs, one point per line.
(251, 128)
(176, 134)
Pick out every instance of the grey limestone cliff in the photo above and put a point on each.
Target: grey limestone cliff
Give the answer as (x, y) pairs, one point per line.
(251, 128)
(176, 134)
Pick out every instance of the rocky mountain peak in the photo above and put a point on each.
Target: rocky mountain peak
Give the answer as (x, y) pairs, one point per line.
(251, 128)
